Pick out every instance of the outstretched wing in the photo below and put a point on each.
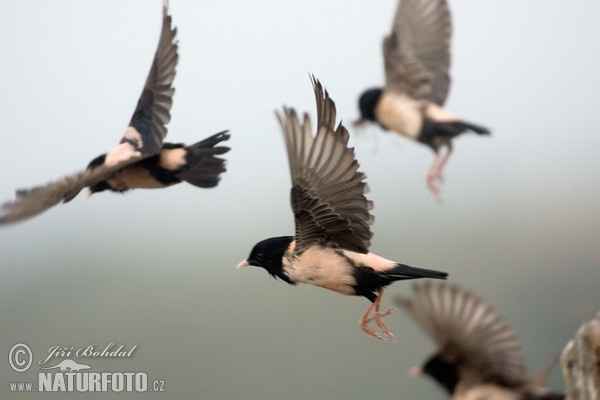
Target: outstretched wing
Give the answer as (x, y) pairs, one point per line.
(417, 51)
(328, 192)
(142, 138)
(30, 202)
(147, 127)
(469, 333)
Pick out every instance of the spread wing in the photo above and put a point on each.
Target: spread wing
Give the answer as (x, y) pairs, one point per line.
(153, 111)
(469, 333)
(328, 192)
(417, 51)
(142, 138)
(30, 202)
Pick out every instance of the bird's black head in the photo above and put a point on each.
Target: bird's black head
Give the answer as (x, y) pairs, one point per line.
(443, 372)
(367, 103)
(268, 254)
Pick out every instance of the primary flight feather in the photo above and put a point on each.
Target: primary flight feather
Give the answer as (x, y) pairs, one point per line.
(479, 356)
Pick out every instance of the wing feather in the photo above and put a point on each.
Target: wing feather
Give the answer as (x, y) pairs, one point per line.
(417, 51)
(153, 111)
(469, 333)
(30, 202)
(328, 191)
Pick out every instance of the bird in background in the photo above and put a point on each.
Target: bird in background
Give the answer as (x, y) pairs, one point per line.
(141, 159)
(330, 248)
(417, 60)
(478, 355)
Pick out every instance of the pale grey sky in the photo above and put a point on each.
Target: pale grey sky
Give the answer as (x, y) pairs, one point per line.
(518, 223)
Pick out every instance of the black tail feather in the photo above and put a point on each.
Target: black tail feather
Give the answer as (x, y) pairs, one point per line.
(203, 168)
(437, 134)
(403, 272)
(467, 126)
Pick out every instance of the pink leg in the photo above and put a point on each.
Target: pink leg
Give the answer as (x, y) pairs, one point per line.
(442, 164)
(377, 315)
(434, 173)
(363, 321)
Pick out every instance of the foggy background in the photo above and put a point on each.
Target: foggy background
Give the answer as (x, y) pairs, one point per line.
(518, 223)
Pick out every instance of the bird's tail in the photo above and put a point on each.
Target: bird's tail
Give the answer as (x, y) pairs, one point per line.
(458, 127)
(203, 167)
(432, 131)
(403, 272)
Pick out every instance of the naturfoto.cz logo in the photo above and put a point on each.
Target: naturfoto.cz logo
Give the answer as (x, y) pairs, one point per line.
(69, 375)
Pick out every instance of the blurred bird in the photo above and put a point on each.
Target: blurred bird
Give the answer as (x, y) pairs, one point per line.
(479, 355)
(417, 59)
(141, 160)
(331, 245)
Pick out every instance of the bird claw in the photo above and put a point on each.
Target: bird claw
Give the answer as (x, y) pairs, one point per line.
(435, 177)
(433, 187)
(370, 331)
(377, 317)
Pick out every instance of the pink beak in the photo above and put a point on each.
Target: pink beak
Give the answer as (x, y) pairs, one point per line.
(243, 263)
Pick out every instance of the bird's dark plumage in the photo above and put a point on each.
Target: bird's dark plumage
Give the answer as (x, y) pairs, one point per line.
(268, 254)
(202, 166)
(417, 62)
(153, 111)
(141, 160)
(330, 248)
(478, 353)
(197, 164)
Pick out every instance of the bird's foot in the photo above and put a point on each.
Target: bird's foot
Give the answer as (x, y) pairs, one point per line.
(432, 184)
(439, 176)
(434, 176)
(377, 317)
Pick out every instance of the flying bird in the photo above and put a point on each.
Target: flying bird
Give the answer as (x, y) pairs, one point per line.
(141, 159)
(417, 59)
(479, 355)
(330, 248)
